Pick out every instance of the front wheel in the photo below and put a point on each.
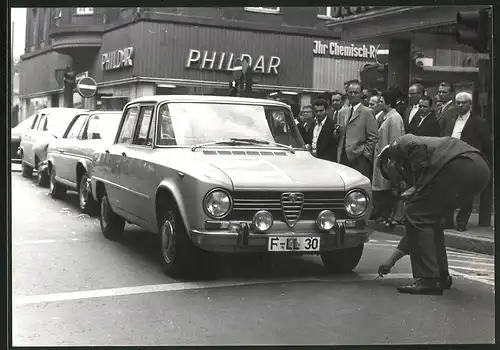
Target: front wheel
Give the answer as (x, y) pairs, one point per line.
(27, 171)
(112, 225)
(88, 205)
(57, 190)
(43, 179)
(179, 255)
(342, 261)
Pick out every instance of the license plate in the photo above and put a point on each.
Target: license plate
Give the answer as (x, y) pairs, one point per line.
(295, 244)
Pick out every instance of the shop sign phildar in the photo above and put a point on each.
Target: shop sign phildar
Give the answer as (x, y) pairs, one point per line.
(117, 59)
(225, 61)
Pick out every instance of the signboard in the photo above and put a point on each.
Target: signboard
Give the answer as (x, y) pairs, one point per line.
(225, 61)
(86, 87)
(117, 59)
(334, 49)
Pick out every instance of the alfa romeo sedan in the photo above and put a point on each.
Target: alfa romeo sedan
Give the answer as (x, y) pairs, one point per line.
(69, 158)
(227, 174)
(49, 124)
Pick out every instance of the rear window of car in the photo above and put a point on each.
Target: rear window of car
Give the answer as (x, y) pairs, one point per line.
(58, 121)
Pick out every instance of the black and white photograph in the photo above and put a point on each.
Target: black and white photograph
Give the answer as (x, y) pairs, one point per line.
(213, 176)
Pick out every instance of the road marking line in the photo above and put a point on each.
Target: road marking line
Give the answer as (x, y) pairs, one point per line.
(472, 262)
(40, 241)
(170, 287)
(472, 269)
(473, 278)
(381, 245)
(468, 256)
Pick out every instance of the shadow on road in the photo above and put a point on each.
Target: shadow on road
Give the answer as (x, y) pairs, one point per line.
(225, 266)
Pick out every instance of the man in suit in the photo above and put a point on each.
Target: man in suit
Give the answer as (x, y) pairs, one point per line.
(377, 108)
(424, 123)
(325, 133)
(360, 133)
(473, 130)
(337, 103)
(415, 93)
(306, 124)
(443, 172)
(446, 108)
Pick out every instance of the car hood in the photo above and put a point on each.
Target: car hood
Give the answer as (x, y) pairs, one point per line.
(284, 172)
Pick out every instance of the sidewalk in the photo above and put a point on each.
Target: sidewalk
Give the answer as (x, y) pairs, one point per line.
(475, 239)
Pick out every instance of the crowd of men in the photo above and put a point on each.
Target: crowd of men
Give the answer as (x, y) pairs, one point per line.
(353, 126)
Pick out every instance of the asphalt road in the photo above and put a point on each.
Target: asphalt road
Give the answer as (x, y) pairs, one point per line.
(73, 287)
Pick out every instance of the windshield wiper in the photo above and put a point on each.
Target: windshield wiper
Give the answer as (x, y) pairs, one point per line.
(263, 142)
(230, 142)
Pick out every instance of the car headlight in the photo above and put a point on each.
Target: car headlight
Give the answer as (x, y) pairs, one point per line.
(262, 220)
(217, 204)
(356, 203)
(326, 220)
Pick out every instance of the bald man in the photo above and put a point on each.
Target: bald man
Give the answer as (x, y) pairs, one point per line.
(473, 130)
(415, 93)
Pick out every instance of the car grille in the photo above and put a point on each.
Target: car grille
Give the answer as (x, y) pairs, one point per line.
(247, 203)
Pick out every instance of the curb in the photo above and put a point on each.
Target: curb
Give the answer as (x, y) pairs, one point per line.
(453, 239)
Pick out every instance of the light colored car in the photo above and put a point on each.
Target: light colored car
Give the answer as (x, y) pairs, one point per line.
(16, 133)
(227, 174)
(69, 158)
(49, 124)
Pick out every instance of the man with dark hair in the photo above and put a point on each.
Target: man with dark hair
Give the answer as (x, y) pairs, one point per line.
(306, 124)
(337, 104)
(424, 123)
(325, 133)
(446, 93)
(415, 93)
(360, 133)
(443, 172)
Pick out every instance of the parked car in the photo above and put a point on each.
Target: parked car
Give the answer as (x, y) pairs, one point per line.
(69, 158)
(15, 136)
(227, 174)
(49, 124)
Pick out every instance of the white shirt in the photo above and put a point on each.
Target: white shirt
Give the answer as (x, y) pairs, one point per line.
(316, 132)
(422, 119)
(459, 125)
(379, 114)
(446, 104)
(413, 111)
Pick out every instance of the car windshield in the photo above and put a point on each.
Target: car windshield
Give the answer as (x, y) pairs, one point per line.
(188, 124)
(58, 121)
(104, 125)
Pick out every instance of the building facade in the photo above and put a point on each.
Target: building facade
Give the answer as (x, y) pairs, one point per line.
(133, 52)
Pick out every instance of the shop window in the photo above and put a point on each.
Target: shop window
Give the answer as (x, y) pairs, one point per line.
(274, 10)
(84, 10)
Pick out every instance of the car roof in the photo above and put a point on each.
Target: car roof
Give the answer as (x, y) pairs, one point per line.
(207, 99)
(62, 109)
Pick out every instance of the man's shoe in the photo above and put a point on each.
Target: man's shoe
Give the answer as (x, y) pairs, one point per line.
(446, 282)
(430, 286)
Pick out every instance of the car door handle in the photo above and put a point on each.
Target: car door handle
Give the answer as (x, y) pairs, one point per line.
(61, 150)
(124, 154)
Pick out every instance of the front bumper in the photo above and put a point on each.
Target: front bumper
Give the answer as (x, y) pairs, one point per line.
(241, 237)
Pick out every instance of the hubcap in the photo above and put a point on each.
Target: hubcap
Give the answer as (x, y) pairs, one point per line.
(104, 212)
(168, 239)
(84, 192)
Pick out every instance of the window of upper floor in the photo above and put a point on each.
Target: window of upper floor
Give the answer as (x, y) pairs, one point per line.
(84, 10)
(272, 10)
(329, 12)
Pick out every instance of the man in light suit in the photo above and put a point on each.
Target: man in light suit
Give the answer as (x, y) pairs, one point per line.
(447, 109)
(359, 133)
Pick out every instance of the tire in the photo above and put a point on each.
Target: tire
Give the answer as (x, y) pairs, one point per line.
(342, 261)
(112, 225)
(88, 205)
(57, 190)
(179, 256)
(27, 171)
(43, 179)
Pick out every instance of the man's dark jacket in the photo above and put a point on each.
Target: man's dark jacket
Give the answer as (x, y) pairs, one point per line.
(307, 135)
(326, 145)
(429, 127)
(475, 132)
(423, 157)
